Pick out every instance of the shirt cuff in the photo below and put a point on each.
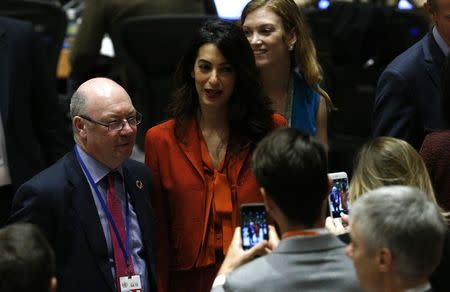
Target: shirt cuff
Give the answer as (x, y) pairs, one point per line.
(219, 281)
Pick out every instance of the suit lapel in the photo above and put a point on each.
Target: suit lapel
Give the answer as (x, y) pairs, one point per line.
(86, 210)
(190, 145)
(236, 164)
(4, 75)
(139, 190)
(433, 57)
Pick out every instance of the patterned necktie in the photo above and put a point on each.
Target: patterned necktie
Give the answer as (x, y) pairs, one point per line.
(115, 208)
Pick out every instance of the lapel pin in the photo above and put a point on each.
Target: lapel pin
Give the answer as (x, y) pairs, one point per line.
(139, 184)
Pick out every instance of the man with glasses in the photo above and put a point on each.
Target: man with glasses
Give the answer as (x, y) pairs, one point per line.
(93, 204)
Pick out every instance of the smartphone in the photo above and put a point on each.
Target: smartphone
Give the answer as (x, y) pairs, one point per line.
(338, 199)
(254, 228)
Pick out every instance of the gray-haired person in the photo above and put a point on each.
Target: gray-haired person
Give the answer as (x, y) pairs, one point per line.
(397, 239)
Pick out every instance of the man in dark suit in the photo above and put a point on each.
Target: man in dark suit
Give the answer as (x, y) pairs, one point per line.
(31, 121)
(292, 170)
(407, 97)
(84, 201)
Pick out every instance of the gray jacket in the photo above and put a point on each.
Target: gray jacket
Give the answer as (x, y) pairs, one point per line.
(315, 263)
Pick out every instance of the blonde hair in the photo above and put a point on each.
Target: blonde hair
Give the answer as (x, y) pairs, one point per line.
(304, 54)
(389, 161)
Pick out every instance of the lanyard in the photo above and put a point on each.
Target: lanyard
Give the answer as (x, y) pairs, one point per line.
(299, 233)
(123, 248)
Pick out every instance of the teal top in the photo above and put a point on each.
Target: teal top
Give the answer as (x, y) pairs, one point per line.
(305, 105)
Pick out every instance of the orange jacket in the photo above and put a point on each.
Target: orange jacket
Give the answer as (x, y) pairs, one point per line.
(180, 198)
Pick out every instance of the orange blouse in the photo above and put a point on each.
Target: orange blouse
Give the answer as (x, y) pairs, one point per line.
(196, 207)
(219, 231)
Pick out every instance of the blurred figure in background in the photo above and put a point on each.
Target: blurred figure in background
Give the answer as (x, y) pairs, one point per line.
(32, 132)
(99, 17)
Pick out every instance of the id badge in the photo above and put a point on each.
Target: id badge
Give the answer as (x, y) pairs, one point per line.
(132, 284)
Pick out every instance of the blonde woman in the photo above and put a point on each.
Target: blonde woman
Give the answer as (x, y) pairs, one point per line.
(286, 56)
(390, 161)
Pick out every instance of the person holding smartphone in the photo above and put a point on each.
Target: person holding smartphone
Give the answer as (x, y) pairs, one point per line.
(200, 158)
(291, 168)
(386, 161)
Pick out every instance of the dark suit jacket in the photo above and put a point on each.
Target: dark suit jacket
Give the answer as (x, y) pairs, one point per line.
(407, 97)
(33, 123)
(59, 200)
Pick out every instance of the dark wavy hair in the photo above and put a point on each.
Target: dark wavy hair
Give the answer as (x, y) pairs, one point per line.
(250, 113)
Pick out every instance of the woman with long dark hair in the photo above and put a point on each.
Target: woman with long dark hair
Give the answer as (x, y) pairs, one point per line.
(200, 157)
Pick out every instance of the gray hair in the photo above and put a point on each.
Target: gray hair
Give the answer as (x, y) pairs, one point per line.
(405, 221)
(77, 103)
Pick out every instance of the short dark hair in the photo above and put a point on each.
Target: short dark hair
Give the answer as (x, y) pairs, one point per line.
(27, 262)
(292, 168)
(445, 92)
(250, 113)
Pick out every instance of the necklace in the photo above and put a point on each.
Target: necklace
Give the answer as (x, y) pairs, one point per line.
(290, 100)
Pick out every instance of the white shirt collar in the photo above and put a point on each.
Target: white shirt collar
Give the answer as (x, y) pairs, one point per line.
(440, 41)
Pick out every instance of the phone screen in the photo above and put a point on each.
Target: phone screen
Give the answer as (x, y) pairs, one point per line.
(254, 227)
(338, 198)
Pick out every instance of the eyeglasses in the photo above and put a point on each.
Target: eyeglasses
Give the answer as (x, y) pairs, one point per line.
(119, 124)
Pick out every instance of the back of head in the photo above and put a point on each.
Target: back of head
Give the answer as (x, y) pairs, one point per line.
(27, 262)
(405, 221)
(388, 161)
(292, 168)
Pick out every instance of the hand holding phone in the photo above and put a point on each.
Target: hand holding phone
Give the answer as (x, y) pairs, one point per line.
(254, 228)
